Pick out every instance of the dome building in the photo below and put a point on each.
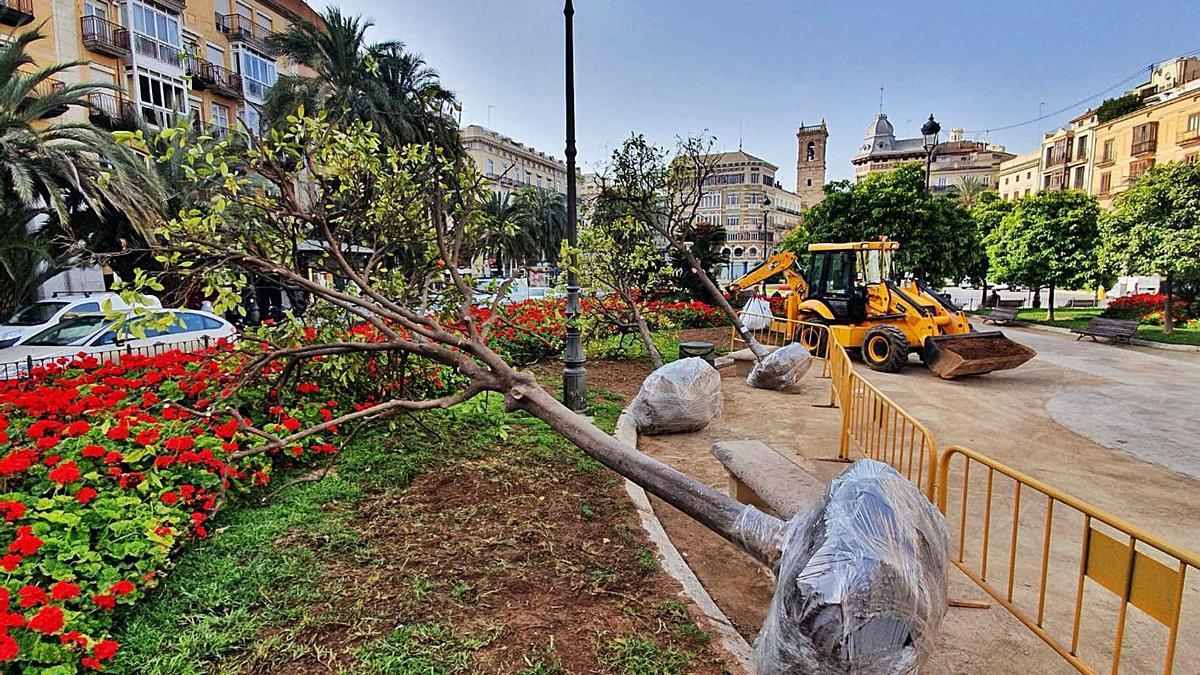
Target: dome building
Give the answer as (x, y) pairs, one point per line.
(953, 160)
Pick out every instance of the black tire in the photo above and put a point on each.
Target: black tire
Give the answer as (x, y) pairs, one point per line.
(815, 340)
(885, 348)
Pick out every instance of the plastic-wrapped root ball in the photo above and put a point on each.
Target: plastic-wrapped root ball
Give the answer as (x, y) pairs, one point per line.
(782, 369)
(861, 581)
(684, 395)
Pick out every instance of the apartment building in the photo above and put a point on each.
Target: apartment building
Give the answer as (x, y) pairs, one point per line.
(744, 196)
(510, 164)
(1020, 176)
(953, 160)
(1066, 154)
(204, 60)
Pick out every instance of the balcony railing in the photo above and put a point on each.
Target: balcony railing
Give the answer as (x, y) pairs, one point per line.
(45, 87)
(112, 111)
(1143, 147)
(16, 12)
(160, 51)
(237, 28)
(1188, 137)
(208, 75)
(105, 37)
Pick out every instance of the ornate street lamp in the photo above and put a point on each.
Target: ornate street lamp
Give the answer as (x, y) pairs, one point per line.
(574, 374)
(930, 131)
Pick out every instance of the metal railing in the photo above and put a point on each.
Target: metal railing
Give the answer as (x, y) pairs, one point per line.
(100, 33)
(1014, 531)
(14, 370)
(814, 337)
(239, 27)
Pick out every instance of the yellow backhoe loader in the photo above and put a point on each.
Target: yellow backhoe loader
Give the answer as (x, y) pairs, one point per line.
(851, 289)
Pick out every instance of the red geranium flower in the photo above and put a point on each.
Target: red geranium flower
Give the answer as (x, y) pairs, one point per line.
(30, 596)
(8, 648)
(10, 562)
(78, 428)
(12, 510)
(65, 473)
(49, 620)
(105, 649)
(89, 662)
(85, 495)
(118, 433)
(170, 499)
(64, 590)
(122, 587)
(105, 601)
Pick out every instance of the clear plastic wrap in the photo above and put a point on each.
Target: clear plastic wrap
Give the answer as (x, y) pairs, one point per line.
(684, 395)
(861, 579)
(782, 369)
(756, 315)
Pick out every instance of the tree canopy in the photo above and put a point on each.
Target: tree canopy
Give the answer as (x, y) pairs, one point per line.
(1154, 226)
(936, 233)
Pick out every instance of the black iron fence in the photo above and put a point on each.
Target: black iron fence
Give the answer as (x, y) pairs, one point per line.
(14, 370)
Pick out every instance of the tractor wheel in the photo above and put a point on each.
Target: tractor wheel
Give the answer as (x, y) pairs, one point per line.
(885, 348)
(815, 340)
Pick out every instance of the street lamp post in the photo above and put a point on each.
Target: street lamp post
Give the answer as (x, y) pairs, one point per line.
(574, 374)
(930, 131)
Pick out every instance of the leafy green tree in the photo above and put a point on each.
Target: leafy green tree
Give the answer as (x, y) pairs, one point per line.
(380, 83)
(938, 239)
(987, 212)
(1112, 108)
(1047, 239)
(524, 227)
(1154, 227)
(546, 213)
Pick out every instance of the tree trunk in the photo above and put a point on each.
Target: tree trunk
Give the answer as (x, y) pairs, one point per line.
(1050, 303)
(719, 298)
(644, 331)
(713, 509)
(1168, 315)
(983, 297)
(1037, 297)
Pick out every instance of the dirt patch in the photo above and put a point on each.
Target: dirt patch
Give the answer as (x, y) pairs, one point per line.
(519, 565)
(619, 377)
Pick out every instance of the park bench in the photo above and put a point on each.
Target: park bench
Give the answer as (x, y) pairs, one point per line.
(1079, 303)
(1115, 330)
(1009, 304)
(1003, 315)
(760, 476)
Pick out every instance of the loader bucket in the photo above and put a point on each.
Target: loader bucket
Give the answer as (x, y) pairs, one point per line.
(950, 356)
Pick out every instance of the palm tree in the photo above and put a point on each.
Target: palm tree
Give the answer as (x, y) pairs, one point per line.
(509, 235)
(547, 211)
(42, 165)
(968, 190)
(381, 83)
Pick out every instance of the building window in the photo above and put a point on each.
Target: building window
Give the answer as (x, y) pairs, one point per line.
(1026, 192)
(1191, 159)
(753, 197)
(808, 182)
(1079, 178)
(1194, 123)
(1081, 148)
(1028, 175)
(252, 118)
(753, 252)
(220, 116)
(491, 170)
(731, 221)
(539, 182)
(161, 98)
(710, 199)
(987, 180)
(528, 178)
(258, 74)
(1105, 182)
(1139, 168)
(941, 181)
(1145, 138)
(156, 34)
(737, 252)
(731, 199)
(811, 153)
(1110, 150)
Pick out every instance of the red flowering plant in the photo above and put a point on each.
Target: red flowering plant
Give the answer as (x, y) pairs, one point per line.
(1144, 307)
(104, 471)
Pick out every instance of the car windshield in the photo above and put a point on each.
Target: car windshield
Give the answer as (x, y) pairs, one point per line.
(38, 312)
(69, 332)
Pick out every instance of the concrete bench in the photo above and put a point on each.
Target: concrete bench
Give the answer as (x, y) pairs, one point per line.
(743, 359)
(760, 476)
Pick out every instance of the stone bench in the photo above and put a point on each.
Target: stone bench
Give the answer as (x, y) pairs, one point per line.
(760, 476)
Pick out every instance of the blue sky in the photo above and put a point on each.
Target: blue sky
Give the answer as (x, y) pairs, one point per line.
(758, 69)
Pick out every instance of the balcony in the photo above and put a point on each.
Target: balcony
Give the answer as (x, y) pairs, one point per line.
(112, 111)
(159, 51)
(1143, 147)
(16, 12)
(207, 75)
(104, 37)
(238, 28)
(1188, 137)
(44, 88)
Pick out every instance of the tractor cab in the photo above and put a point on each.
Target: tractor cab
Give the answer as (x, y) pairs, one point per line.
(840, 275)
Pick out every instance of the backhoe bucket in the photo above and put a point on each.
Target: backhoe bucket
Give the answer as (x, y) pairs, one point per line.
(950, 356)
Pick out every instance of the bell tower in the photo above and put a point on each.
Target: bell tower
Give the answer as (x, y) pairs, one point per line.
(810, 163)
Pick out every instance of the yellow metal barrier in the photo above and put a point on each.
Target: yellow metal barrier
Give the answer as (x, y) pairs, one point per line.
(778, 332)
(1034, 548)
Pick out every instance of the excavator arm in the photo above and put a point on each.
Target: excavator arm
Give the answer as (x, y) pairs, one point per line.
(784, 263)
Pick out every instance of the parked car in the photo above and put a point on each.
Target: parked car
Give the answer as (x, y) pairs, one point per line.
(43, 314)
(99, 335)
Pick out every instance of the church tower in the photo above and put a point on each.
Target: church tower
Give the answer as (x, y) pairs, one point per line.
(810, 163)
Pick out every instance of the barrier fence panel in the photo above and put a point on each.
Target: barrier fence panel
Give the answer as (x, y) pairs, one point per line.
(778, 332)
(1102, 593)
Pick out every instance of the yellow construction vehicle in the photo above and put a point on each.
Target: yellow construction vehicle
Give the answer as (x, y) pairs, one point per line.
(852, 289)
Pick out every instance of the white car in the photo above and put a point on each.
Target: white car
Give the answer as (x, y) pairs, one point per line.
(43, 314)
(96, 334)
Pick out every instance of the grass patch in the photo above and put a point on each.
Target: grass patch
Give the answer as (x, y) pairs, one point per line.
(634, 655)
(420, 649)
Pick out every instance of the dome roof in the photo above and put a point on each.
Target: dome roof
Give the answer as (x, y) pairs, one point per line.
(880, 126)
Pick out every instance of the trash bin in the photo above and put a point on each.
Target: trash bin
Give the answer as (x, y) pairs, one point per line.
(704, 350)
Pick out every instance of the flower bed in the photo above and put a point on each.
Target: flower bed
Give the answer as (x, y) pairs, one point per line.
(1144, 307)
(104, 475)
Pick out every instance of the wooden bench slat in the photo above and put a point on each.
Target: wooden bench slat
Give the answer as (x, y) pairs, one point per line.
(1112, 329)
